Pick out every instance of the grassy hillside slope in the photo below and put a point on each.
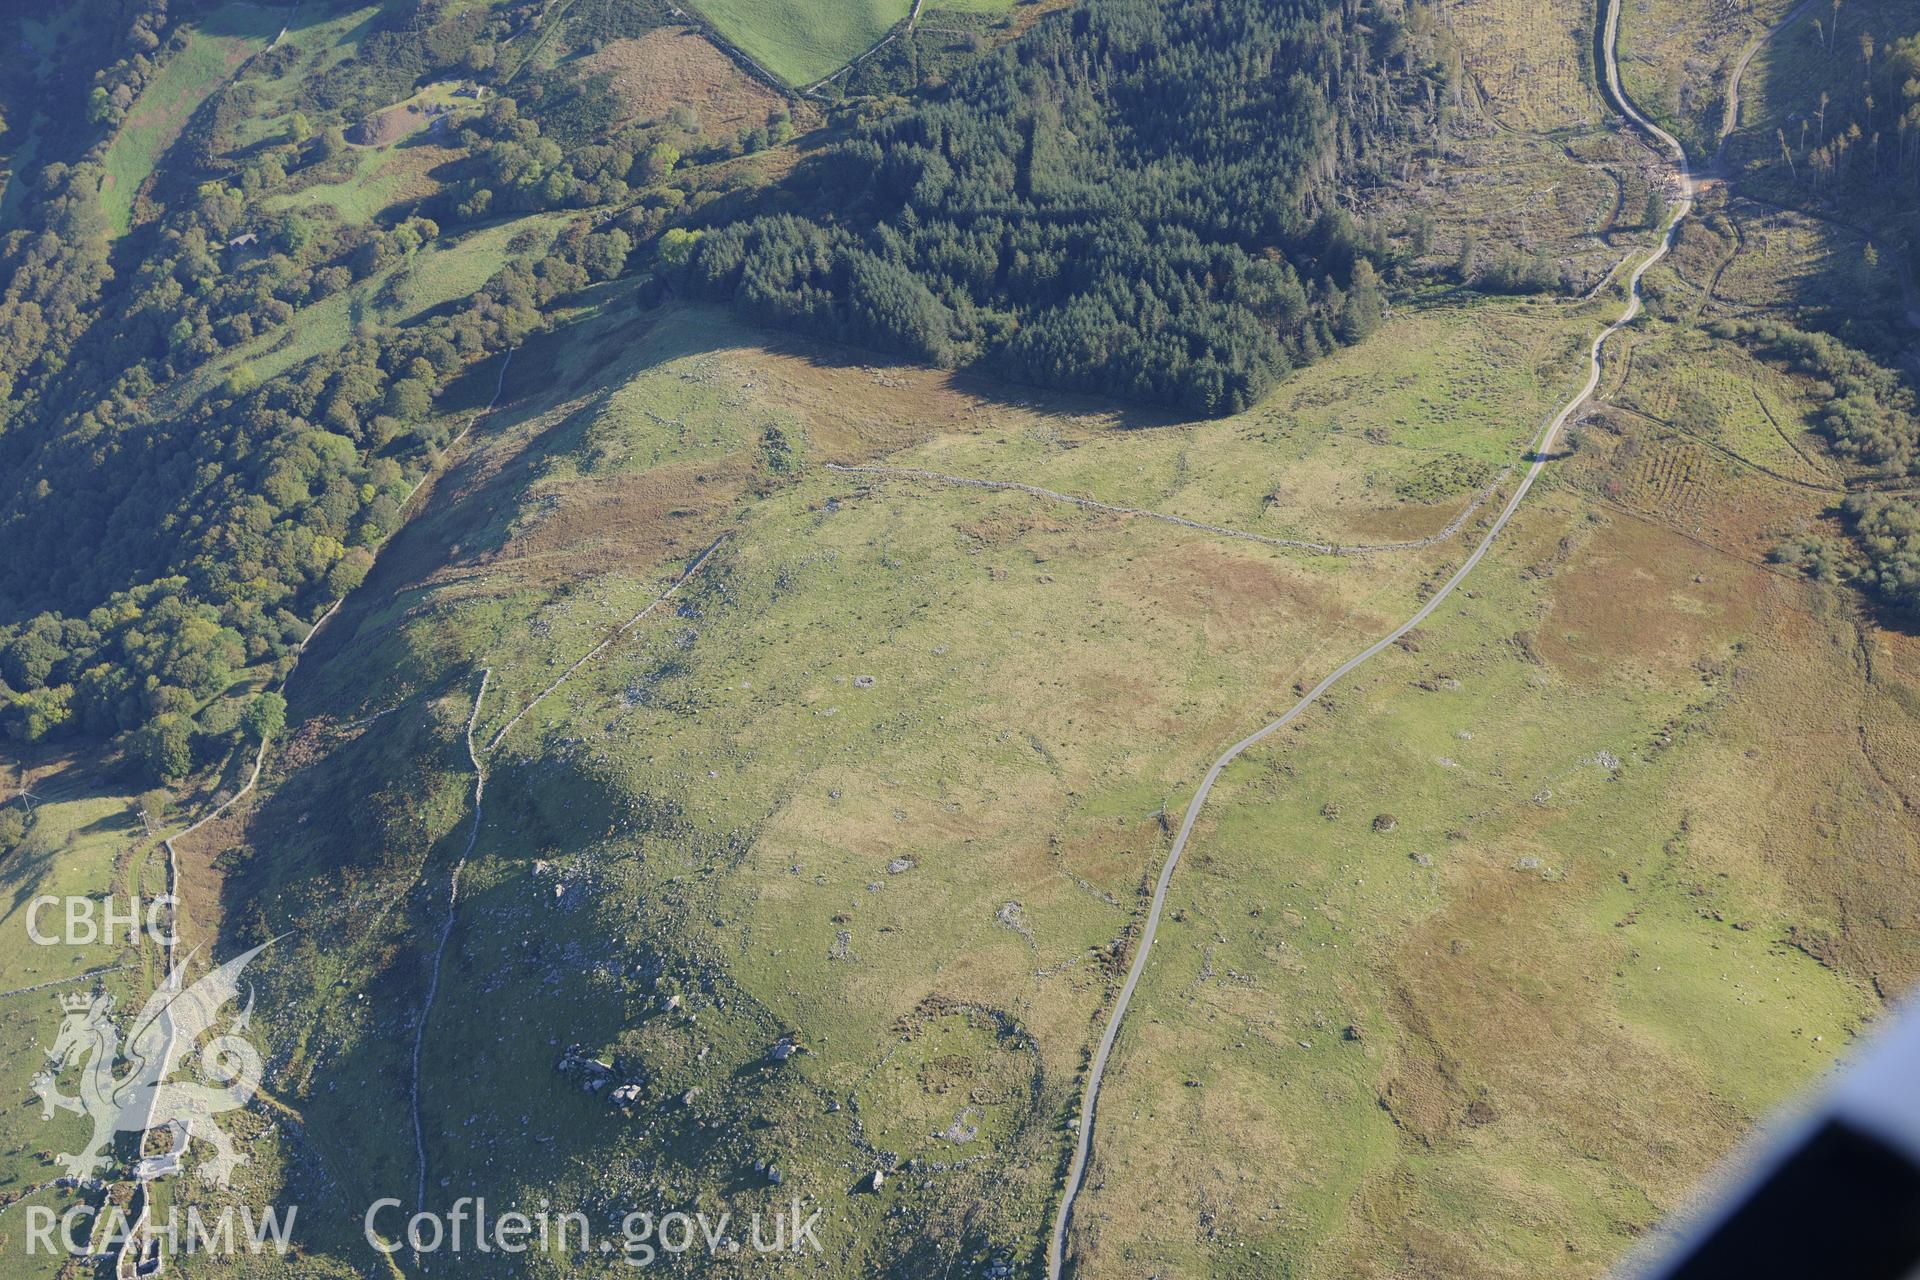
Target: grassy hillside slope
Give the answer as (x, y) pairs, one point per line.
(840, 706)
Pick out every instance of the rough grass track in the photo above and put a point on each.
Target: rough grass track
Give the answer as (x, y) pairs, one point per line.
(1319, 548)
(1077, 1167)
(698, 564)
(1730, 110)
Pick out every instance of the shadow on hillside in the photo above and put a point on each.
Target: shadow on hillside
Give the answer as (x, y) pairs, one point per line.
(361, 892)
(995, 391)
(267, 18)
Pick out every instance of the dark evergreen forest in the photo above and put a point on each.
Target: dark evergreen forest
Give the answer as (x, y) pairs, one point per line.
(1136, 198)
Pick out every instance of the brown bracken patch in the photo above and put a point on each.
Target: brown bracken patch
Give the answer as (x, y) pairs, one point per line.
(1638, 593)
(1235, 594)
(676, 66)
(599, 525)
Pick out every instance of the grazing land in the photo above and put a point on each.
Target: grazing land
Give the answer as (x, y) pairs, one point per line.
(687, 614)
(800, 42)
(216, 45)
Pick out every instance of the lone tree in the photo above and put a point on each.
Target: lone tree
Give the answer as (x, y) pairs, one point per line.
(165, 745)
(1656, 207)
(155, 802)
(265, 716)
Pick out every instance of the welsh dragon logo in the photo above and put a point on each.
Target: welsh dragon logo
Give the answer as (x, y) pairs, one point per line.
(143, 1098)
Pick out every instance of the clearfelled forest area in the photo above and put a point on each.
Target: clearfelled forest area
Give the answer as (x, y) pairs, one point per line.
(1834, 136)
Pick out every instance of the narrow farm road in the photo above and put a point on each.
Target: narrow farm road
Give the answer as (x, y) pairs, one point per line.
(1077, 1169)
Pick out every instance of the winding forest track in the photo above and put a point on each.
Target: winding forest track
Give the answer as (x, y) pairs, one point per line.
(1730, 110)
(1096, 1072)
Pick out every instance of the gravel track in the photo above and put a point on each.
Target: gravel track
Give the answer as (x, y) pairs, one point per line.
(1077, 1167)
